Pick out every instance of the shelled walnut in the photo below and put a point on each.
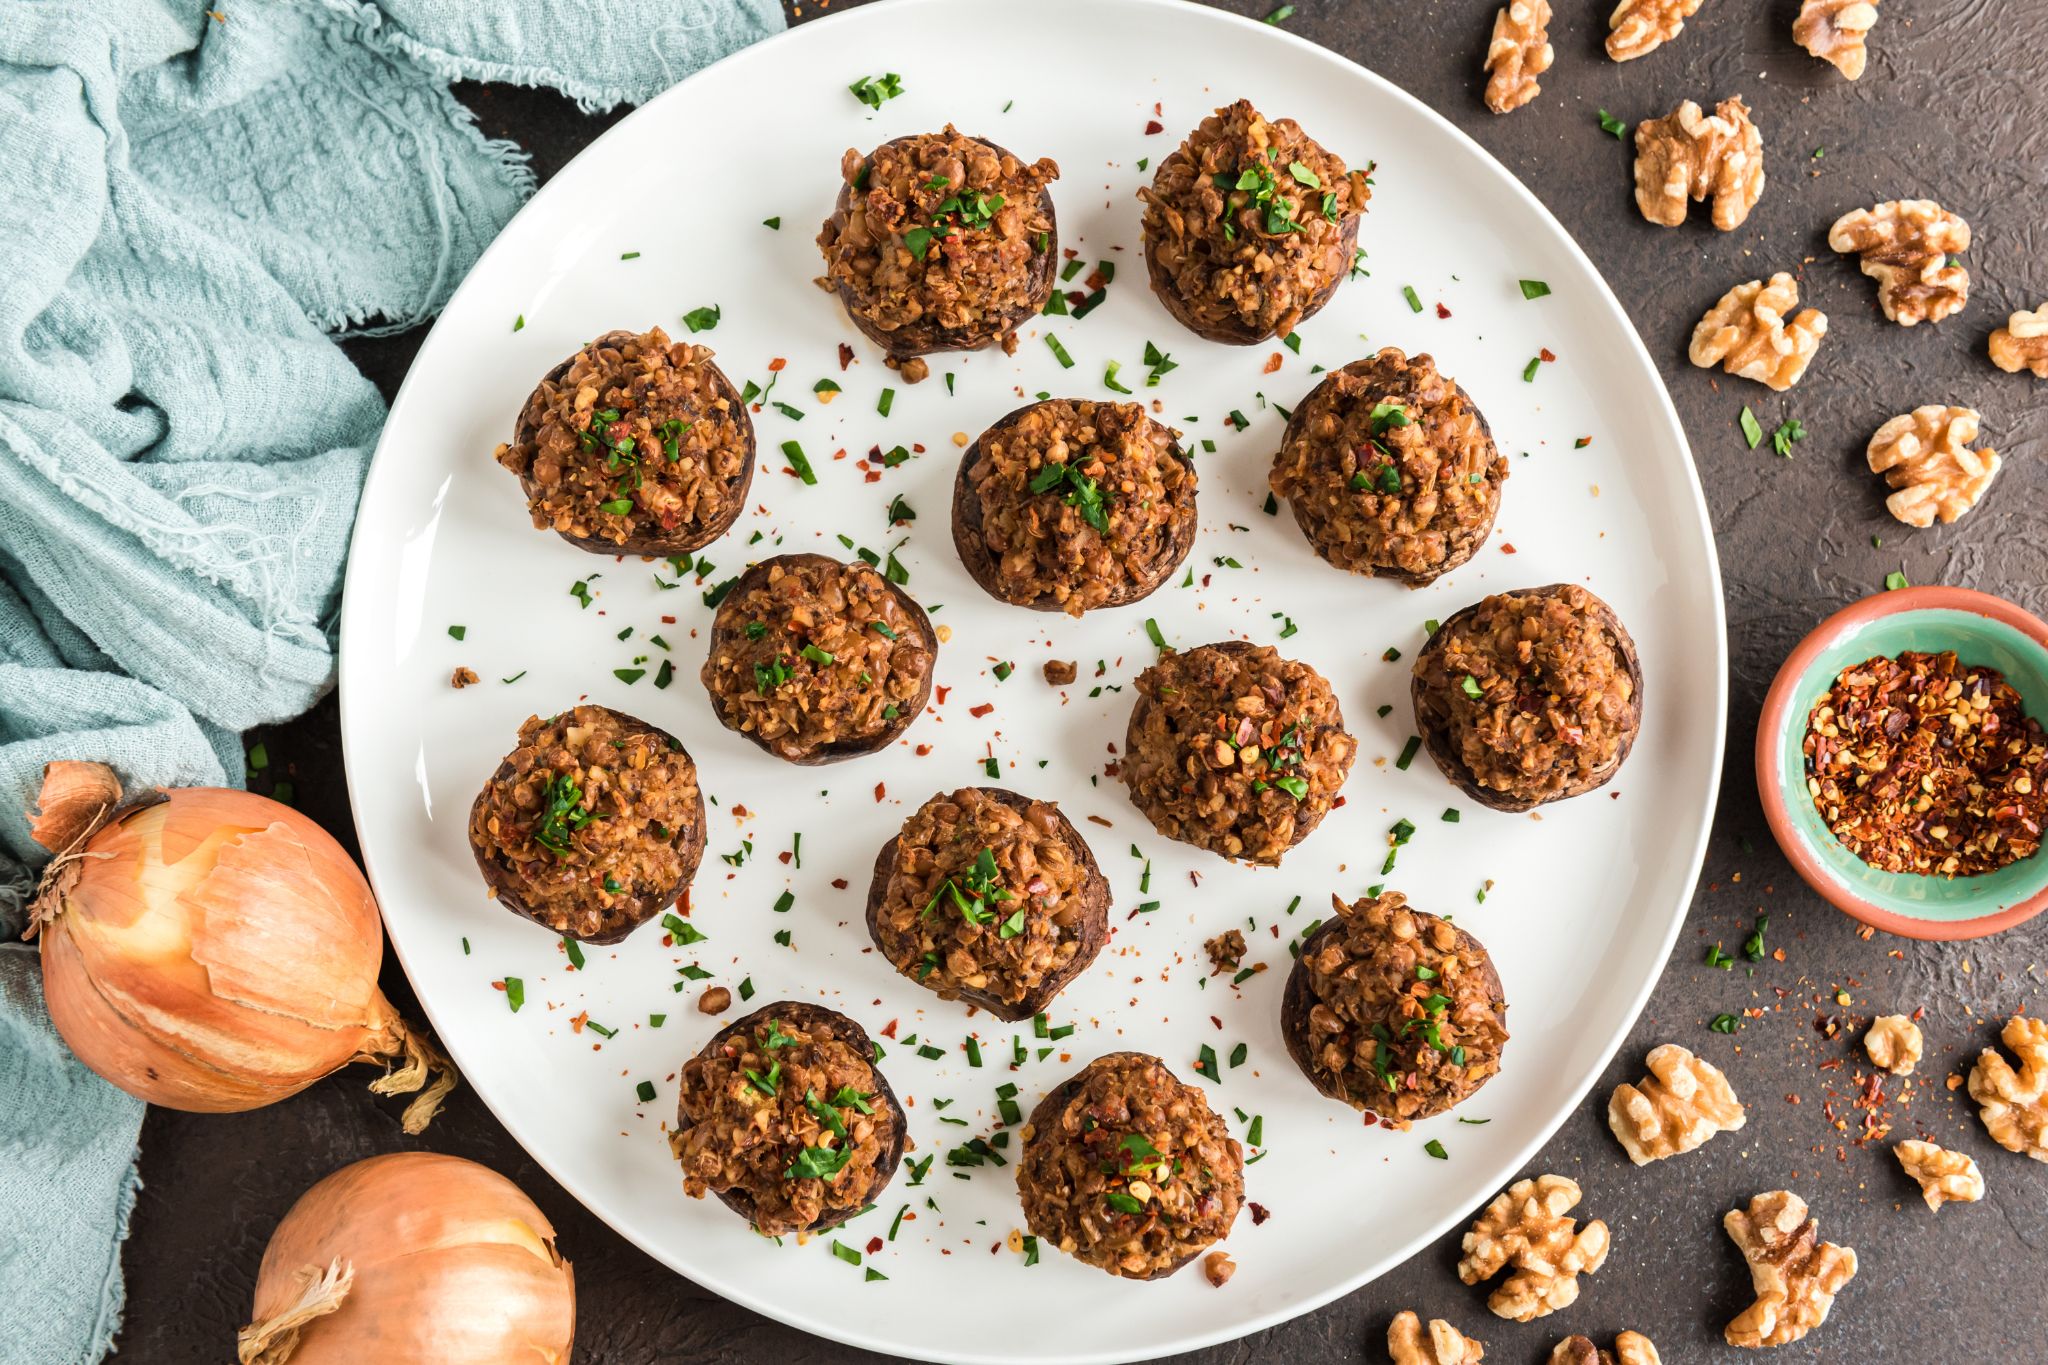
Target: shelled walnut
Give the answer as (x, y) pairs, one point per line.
(2014, 1103)
(1907, 246)
(1747, 335)
(1442, 1344)
(1691, 155)
(2022, 344)
(1517, 54)
(1893, 1042)
(1925, 455)
(1682, 1102)
(1796, 1274)
(1639, 27)
(1528, 1227)
(1945, 1177)
(1630, 1348)
(1834, 31)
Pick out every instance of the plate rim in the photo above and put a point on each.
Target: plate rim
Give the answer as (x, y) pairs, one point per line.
(1166, 11)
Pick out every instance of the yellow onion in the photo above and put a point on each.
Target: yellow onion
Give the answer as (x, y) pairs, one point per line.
(213, 950)
(412, 1257)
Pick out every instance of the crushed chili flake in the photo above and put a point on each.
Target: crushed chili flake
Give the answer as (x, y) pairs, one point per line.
(1923, 764)
(1548, 357)
(1442, 311)
(979, 711)
(1152, 126)
(845, 355)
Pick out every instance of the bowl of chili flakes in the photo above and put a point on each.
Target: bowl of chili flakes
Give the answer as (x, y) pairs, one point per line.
(1936, 698)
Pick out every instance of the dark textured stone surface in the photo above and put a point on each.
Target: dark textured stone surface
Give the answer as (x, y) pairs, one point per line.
(1952, 109)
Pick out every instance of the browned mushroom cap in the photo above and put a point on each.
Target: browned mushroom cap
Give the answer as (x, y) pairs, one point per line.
(795, 686)
(975, 282)
(1239, 245)
(1233, 748)
(1554, 724)
(1125, 1118)
(1390, 469)
(704, 486)
(825, 1024)
(1052, 556)
(1013, 974)
(645, 791)
(1370, 1030)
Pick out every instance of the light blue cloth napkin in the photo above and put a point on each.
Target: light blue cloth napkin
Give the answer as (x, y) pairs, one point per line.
(192, 202)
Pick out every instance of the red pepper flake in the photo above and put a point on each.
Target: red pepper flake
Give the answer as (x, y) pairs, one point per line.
(1548, 358)
(668, 620)
(576, 1024)
(845, 356)
(1273, 363)
(1582, 443)
(1507, 547)
(942, 694)
(1442, 311)
(1153, 125)
(874, 1245)
(881, 790)
(979, 711)
(775, 365)
(922, 749)
(1260, 1213)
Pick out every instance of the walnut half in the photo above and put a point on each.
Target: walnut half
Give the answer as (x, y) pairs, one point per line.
(1630, 1348)
(1906, 246)
(1796, 1274)
(1925, 455)
(1518, 53)
(1894, 1043)
(1834, 31)
(2014, 1103)
(1691, 155)
(1945, 1177)
(1747, 335)
(1442, 1344)
(1528, 1227)
(2022, 344)
(1639, 27)
(1682, 1102)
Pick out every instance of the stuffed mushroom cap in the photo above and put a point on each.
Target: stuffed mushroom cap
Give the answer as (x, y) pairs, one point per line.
(1235, 749)
(1395, 1012)
(940, 242)
(1068, 505)
(1126, 1168)
(634, 445)
(1250, 226)
(989, 897)
(592, 825)
(1390, 469)
(786, 1118)
(815, 660)
(1529, 696)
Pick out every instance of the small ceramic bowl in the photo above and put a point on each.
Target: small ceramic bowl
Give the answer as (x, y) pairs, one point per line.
(1981, 629)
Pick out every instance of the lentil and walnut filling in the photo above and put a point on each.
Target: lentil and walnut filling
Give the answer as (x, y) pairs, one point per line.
(593, 825)
(1234, 749)
(785, 1118)
(1250, 226)
(1393, 1011)
(634, 444)
(1067, 505)
(1927, 765)
(1529, 696)
(1390, 469)
(815, 660)
(1127, 1169)
(940, 242)
(989, 897)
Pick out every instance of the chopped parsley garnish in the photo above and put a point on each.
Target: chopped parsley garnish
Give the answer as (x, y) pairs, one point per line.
(1080, 492)
(775, 222)
(702, 319)
(821, 1163)
(1610, 124)
(1408, 752)
(515, 993)
(1157, 364)
(1753, 946)
(562, 814)
(1895, 580)
(1534, 289)
(799, 462)
(1752, 431)
(1436, 1149)
(1789, 430)
(681, 931)
(1414, 303)
(1723, 1023)
(1059, 352)
(874, 90)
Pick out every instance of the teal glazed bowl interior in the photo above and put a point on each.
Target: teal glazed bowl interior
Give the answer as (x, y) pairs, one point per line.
(1984, 631)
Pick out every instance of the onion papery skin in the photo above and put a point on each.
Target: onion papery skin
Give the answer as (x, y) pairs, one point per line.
(213, 950)
(447, 1262)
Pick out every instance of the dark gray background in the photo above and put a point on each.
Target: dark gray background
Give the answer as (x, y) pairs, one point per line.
(1954, 108)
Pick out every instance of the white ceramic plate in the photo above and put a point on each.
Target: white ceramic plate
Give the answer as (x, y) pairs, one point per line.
(1584, 901)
